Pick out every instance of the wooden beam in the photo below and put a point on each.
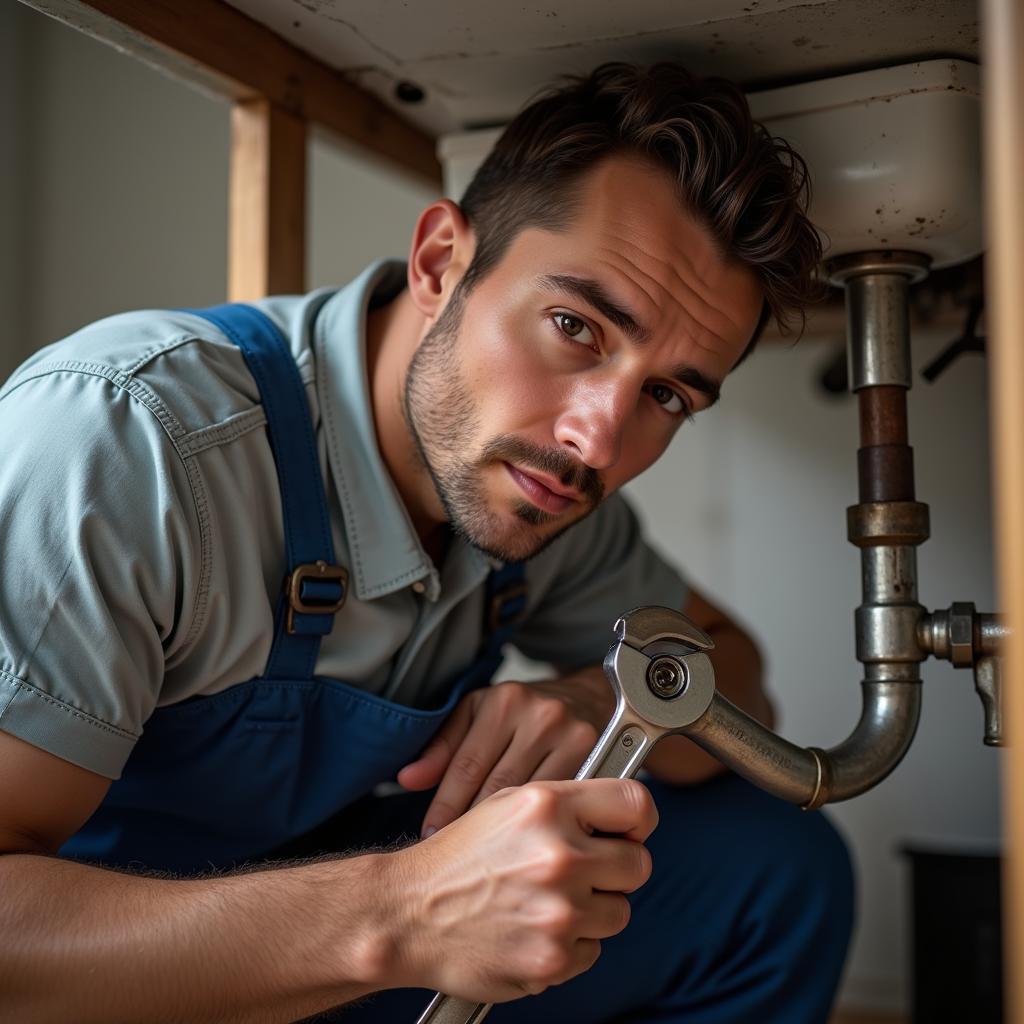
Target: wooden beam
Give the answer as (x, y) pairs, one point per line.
(1003, 86)
(216, 47)
(267, 207)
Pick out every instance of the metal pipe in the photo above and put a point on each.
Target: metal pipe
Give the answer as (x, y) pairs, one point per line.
(877, 319)
(886, 728)
(809, 776)
(755, 752)
(887, 525)
(988, 682)
(883, 416)
(894, 632)
(885, 462)
(993, 634)
(967, 639)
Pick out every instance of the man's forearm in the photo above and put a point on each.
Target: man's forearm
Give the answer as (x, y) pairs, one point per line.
(85, 944)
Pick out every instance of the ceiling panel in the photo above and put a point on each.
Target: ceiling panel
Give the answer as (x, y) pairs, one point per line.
(478, 62)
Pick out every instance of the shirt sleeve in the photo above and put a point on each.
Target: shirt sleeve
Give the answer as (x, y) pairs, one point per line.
(587, 579)
(96, 525)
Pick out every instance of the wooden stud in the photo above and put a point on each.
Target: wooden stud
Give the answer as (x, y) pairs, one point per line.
(212, 45)
(1003, 86)
(267, 220)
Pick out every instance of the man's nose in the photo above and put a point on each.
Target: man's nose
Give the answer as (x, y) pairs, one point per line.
(593, 422)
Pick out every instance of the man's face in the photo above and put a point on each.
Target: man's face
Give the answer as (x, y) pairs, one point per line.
(568, 368)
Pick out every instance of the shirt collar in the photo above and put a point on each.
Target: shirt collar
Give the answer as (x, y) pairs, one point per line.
(386, 552)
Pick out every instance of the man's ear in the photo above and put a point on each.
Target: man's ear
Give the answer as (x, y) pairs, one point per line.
(442, 247)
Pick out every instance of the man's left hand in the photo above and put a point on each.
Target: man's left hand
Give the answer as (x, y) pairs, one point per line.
(507, 735)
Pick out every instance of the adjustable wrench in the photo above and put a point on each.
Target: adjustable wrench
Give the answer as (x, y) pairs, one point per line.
(663, 682)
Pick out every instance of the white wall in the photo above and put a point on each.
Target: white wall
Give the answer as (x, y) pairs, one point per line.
(113, 195)
(13, 222)
(359, 212)
(752, 498)
(128, 185)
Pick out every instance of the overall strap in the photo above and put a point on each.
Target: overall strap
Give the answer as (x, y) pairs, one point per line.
(315, 588)
(504, 606)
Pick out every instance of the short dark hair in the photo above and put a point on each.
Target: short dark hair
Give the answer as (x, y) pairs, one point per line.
(748, 189)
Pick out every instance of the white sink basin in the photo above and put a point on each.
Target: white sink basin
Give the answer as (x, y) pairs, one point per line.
(894, 156)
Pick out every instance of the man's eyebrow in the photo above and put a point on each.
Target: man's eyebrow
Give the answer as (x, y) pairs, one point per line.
(593, 292)
(693, 378)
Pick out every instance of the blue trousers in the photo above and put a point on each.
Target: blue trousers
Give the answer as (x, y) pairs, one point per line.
(745, 920)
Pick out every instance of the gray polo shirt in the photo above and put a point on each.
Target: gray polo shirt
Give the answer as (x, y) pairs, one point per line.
(142, 548)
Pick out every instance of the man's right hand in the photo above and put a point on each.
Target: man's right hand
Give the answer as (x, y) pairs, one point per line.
(512, 897)
(516, 894)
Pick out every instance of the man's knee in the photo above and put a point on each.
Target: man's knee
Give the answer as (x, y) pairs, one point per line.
(733, 819)
(781, 869)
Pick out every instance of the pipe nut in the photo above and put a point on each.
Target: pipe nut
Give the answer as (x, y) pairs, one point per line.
(961, 634)
(887, 523)
(913, 265)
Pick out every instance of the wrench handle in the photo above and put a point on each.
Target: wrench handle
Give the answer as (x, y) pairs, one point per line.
(450, 1010)
(619, 754)
(622, 749)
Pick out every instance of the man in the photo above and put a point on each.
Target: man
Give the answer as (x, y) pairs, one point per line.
(430, 464)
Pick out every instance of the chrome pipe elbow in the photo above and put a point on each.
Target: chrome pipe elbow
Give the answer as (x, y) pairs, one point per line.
(809, 776)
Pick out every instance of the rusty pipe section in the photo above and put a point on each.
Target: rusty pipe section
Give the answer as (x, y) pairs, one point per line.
(887, 525)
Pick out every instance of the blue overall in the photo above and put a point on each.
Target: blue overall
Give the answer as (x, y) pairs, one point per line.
(748, 912)
(216, 781)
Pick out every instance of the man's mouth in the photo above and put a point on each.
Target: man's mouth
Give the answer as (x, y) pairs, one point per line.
(543, 492)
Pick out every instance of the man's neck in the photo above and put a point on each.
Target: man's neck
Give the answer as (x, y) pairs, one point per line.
(393, 332)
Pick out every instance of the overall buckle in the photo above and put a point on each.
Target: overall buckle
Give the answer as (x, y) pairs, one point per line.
(315, 588)
(507, 607)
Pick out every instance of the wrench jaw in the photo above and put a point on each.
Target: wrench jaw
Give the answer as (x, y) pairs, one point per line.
(647, 625)
(663, 683)
(639, 676)
(611, 671)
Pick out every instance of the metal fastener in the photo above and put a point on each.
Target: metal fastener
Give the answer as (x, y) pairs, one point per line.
(666, 677)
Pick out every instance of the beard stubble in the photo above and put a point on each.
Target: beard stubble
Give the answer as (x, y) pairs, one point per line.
(444, 419)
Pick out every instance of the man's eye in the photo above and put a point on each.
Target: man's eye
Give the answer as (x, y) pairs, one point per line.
(573, 327)
(668, 399)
